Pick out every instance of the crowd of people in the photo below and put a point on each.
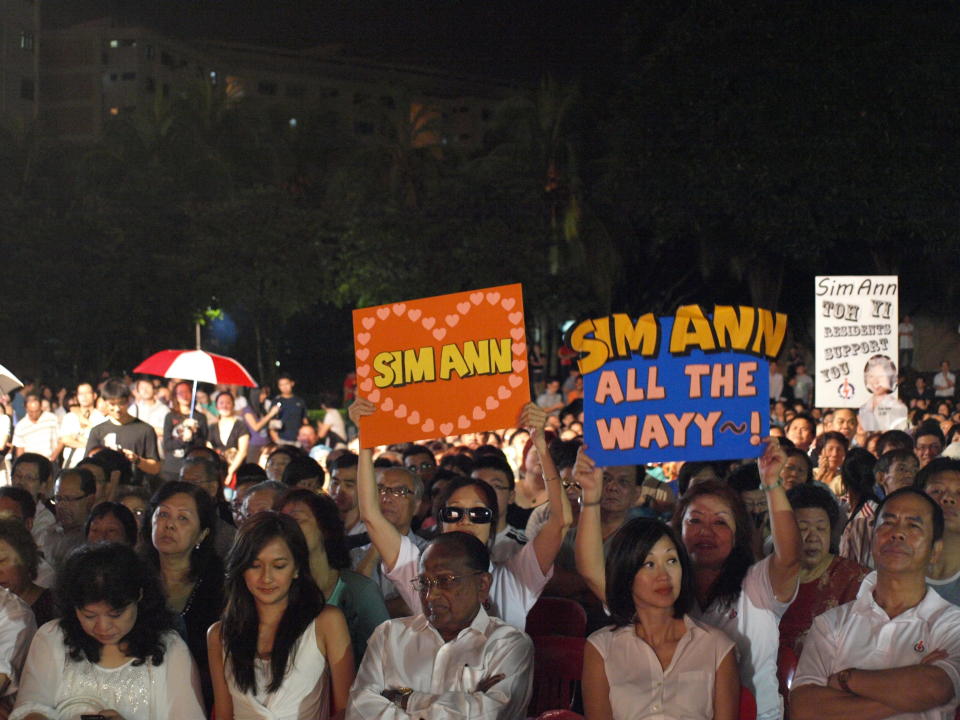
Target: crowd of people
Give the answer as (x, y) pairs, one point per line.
(169, 551)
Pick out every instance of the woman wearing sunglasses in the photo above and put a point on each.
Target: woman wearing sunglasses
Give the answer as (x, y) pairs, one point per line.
(469, 506)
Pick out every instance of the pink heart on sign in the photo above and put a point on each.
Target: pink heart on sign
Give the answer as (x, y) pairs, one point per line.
(427, 426)
(363, 338)
(374, 396)
(383, 313)
(508, 304)
(414, 315)
(368, 322)
(387, 404)
(398, 308)
(463, 308)
(515, 317)
(429, 322)
(362, 354)
(363, 370)
(367, 385)
(519, 365)
(503, 393)
(519, 348)
(462, 422)
(492, 403)
(515, 380)
(401, 411)
(516, 333)
(452, 320)
(438, 333)
(414, 418)
(478, 413)
(476, 298)
(493, 298)
(446, 428)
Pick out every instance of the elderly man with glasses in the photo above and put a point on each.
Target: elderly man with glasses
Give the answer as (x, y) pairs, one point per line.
(452, 660)
(400, 490)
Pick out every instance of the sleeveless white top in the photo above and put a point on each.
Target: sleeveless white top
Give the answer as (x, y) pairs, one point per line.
(303, 694)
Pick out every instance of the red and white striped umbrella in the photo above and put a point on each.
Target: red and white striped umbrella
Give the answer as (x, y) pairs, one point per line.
(198, 366)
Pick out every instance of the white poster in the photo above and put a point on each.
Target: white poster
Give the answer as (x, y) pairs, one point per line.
(856, 353)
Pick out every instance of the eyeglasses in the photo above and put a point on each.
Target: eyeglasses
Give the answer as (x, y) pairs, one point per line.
(65, 499)
(398, 491)
(422, 584)
(478, 515)
(422, 466)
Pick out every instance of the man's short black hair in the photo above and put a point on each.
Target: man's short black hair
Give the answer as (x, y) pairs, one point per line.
(929, 427)
(300, 468)
(886, 461)
(934, 467)
(88, 483)
(801, 416)
(418, 450)
(285, 376)
(475, 554)
(492, 462)
(44, 466)
(345, 460)
(935, 507)
(115, 389)
(564, 453)
(894, 439)
(28, 505)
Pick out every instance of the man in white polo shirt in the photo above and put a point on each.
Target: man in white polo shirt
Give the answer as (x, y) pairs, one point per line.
(894, 652)
(38, 432)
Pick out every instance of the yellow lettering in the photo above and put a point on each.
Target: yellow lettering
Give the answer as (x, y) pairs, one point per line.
(691, 328)
(733, 329)
(418, 368)
(383, 364)
(595, 350)
(770, 333)
(452, 361)
(630, 338)
(501, 360)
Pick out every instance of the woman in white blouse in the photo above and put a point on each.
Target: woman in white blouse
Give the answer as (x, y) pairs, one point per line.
(114, 651)
(656, 661)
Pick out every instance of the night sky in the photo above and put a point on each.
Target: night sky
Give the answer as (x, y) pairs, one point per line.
(504, 38)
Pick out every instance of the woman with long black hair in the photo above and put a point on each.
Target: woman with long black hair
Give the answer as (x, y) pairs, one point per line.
(280, 652)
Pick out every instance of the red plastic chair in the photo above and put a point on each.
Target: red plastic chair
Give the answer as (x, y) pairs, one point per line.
(560, 715)
(748, 704)
(557, 669)
(557, 616)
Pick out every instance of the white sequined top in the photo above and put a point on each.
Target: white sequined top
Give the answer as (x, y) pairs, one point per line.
(57, 687)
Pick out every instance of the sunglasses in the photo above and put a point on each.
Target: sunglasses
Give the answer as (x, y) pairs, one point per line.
(478, 515)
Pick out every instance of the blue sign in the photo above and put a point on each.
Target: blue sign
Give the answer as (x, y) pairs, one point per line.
(693, 406)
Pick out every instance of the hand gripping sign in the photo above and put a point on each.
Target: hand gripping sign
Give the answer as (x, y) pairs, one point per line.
(687, 387)
(443, 365)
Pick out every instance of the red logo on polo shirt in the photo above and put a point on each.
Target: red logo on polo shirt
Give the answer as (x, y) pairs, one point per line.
(920, 647)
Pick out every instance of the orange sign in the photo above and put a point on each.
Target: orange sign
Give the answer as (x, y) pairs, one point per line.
(443, 365)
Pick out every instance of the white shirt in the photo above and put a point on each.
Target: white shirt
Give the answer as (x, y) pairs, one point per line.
(506, 544)
(39, 437)
(152, 414)
(409, 652)
(861, 635)
(17, 627)
(71, 425)
(943, 384)
(641, 689)
(515, 588)
(43, 522)
(138, 692)
(753, 623)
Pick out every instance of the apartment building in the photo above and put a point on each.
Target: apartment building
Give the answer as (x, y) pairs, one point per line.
(19, 71)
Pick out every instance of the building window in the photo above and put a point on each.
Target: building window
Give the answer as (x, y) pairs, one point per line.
(26, 88)
(128, 76)
(296, 91)
(26, 40)
(267, 88)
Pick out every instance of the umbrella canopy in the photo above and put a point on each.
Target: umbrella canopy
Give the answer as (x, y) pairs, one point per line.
(198, 366)
(8, 381)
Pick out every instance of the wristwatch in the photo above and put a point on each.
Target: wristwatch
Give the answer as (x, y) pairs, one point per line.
(842, 679)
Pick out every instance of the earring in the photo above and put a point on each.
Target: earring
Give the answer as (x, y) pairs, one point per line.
(197, 546)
